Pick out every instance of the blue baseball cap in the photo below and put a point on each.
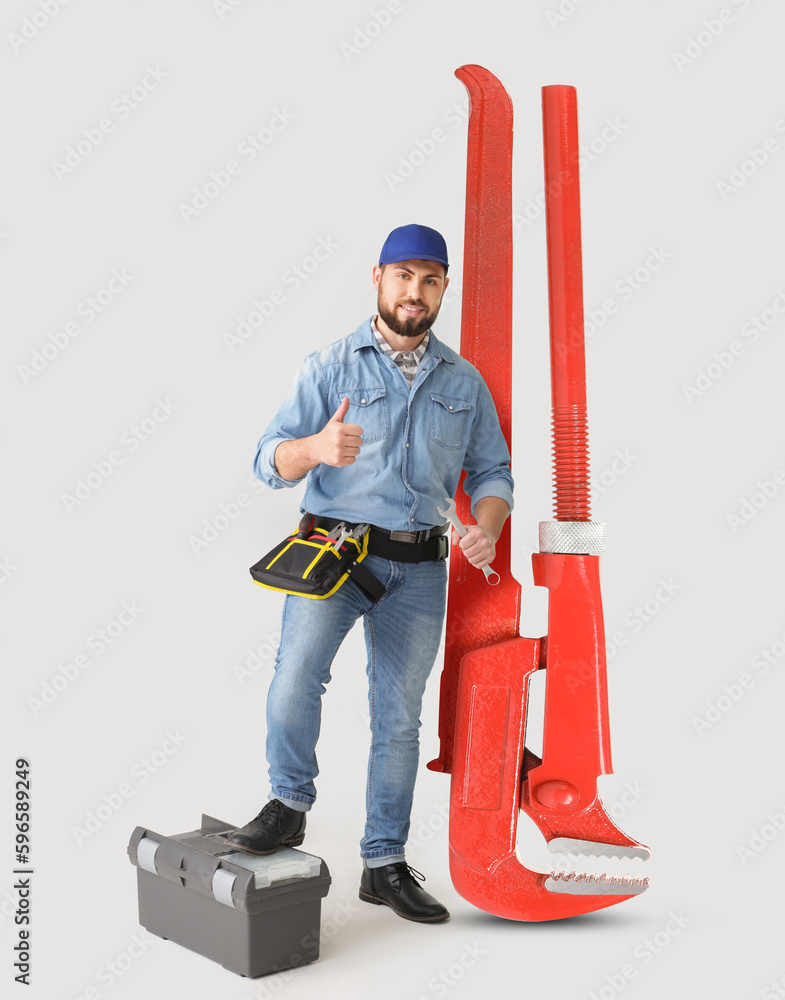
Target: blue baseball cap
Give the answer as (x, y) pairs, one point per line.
(414, 243)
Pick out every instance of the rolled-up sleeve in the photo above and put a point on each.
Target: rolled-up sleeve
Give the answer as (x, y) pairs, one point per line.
(487, 460)
(304, 412)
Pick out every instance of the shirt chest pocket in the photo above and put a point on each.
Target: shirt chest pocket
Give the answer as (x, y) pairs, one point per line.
(368, 408)
(449, 420)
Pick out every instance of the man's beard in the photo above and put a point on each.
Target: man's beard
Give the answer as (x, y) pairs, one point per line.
(406, 326)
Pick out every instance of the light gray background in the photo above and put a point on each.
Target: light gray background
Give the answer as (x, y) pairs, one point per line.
(697, 797)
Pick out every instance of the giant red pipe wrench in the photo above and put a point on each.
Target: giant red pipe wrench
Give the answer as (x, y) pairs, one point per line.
(485, 678)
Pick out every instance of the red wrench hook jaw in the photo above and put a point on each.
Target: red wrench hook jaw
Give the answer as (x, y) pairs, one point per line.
(485, 797)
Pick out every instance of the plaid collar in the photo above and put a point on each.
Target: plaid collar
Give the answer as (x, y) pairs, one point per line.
(401, 357)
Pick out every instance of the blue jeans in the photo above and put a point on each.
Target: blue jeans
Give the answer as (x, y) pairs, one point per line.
(402, 633)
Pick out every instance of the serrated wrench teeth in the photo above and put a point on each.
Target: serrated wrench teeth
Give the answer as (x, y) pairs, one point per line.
(585, 884)
(570, 845)
(452, 515)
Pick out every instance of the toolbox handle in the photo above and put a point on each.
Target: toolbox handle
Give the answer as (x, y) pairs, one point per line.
(145, 854)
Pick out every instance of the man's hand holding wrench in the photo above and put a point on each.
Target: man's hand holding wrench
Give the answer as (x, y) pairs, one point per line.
(477, 540)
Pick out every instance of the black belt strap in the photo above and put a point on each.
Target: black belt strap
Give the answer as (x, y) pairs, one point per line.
(409, 552)
(364, 578)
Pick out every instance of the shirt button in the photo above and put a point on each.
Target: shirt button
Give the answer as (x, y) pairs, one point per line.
(411, 518)
(449, 407)
(407, 444)
(363, 401)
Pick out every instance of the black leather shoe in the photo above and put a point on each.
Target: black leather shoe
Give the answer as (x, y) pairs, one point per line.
(395, 886)
(276, 826)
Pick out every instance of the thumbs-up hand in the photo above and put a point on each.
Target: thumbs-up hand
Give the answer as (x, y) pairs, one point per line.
(337, 443)
(342, 410)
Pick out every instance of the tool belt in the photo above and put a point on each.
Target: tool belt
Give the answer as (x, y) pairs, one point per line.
(323, 553)
(426, 545)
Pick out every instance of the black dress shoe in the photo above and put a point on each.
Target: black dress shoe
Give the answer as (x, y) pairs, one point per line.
(276, 825)
(395, 886)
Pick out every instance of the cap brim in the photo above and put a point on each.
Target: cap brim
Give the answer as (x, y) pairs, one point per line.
(414, 255)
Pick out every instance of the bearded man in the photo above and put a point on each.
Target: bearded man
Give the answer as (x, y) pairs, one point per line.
(381, 423)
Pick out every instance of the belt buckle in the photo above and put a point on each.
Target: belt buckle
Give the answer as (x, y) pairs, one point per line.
(404, 536)
(413, 536)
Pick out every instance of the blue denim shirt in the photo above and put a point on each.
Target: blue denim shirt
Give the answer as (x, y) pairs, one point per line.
(415, 442)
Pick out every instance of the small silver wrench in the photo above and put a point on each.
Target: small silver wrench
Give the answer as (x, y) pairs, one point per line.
(451, 514)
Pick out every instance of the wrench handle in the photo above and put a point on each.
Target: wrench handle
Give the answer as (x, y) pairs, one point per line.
(457, 525)
(572, 499)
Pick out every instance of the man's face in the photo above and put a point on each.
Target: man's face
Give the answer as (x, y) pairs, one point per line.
(410, 295)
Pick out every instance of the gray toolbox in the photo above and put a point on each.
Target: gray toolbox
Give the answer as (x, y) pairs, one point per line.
(254, 914)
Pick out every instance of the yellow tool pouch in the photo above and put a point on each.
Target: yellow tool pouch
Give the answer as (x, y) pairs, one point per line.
(315, 561)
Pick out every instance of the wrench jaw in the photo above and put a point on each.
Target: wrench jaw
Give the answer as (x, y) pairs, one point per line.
(621, 887)
(588, 832)
(448, 514)
(599, 849)
(516, 892)
(491, 768)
